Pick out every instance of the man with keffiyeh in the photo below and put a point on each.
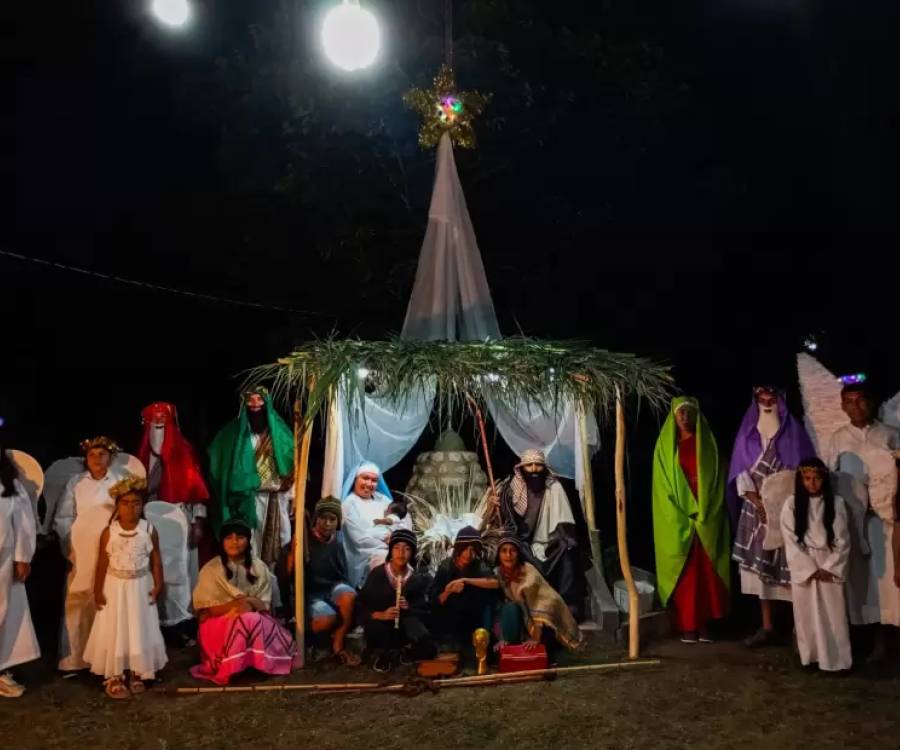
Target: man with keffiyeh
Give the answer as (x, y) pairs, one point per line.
(535, 509)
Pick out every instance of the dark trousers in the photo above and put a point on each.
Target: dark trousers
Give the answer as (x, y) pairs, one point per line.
(412, 632)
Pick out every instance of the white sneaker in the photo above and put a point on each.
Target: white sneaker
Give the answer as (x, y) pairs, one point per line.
(9, 688)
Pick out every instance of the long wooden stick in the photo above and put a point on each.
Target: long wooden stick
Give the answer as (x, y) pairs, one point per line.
(369, 687)
(590, 515)
(479, 418)
(301, 471)
(634, 636)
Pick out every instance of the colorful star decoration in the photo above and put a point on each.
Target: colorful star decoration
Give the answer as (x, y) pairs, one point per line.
(446, 110)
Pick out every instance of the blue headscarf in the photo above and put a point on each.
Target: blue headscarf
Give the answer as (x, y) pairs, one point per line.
(362, 466)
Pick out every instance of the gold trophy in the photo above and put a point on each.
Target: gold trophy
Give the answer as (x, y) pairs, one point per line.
(481, 640)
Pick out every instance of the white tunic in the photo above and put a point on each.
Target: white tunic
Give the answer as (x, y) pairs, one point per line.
(365, 542)
(751, 583)
(285, 501)
(125, 633)
(872, 595)
(18, 535)
(820, 609)
(184, 564)
(83, 493)
(554, 510)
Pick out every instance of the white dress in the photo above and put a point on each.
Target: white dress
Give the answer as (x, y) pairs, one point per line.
(820, 609)
(18, 643)
(125, 633)
(872, 595)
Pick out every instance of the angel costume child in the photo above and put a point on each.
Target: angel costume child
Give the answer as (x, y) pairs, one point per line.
(125, 636)
(817, 544)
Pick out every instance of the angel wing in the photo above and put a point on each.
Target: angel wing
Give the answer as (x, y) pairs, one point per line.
(820, 390)
(776, 489)
(125, 462)
(31, 475)
(890, 411)
(55, 479)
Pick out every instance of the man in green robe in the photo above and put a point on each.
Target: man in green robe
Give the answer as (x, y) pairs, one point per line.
(251, 462)
(690, 523)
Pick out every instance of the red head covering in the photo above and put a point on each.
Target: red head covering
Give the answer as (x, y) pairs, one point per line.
(182, 480)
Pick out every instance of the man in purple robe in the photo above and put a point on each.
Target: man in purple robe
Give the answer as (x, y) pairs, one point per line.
(769, 440)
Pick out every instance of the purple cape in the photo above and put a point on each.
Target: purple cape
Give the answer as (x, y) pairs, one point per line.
(792, 445)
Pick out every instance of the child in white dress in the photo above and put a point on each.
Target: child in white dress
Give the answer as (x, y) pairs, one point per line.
(817, 544)
(125, 636)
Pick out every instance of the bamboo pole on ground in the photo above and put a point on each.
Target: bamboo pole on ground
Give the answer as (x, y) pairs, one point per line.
(634, 645)
(301, 471)
(375, 687)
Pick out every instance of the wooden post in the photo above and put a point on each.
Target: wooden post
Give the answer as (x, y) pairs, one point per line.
(479, 418)
(590, 515)
(634, 637)
(301, 470)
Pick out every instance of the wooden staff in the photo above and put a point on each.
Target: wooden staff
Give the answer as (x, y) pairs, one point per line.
(590, 515)
(301, 471)
(634, 637)
(399, 687)
(479, 418)
(397, 603)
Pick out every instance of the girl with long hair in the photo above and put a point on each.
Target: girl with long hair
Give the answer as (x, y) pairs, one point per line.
(233, 602)
(817, 544)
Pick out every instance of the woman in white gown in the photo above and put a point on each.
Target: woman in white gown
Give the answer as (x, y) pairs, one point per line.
(366, 526)
(18, 535)
(817, 543)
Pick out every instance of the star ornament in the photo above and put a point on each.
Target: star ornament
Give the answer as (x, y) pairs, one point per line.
(446, 110)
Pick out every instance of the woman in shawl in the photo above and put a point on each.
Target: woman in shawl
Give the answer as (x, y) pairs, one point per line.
(690, 525)
(232, 602)
(367, 523)
(531, 603)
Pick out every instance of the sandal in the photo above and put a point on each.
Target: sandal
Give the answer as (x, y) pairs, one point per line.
(347, 658)
(136, 686)
(115, 687)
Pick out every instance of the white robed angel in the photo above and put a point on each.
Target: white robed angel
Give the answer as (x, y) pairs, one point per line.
(862, 452)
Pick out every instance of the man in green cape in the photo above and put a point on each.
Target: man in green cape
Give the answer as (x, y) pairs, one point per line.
(251, 462)
(690, 524)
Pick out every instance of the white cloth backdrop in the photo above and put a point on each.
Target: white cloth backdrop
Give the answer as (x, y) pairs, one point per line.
(450, 301)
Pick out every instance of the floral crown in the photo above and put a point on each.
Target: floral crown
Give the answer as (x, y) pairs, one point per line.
(101, 441)
(129, 484)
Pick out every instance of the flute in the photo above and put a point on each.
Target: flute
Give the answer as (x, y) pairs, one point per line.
(397, 604)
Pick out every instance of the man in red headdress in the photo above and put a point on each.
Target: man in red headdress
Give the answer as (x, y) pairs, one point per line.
(174, 477)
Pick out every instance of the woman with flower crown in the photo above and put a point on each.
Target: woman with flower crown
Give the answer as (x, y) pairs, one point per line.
(85, 499)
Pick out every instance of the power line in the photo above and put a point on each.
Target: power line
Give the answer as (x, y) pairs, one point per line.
(159, 288)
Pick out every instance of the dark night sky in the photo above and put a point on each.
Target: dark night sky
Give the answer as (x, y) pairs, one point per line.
(713, 184)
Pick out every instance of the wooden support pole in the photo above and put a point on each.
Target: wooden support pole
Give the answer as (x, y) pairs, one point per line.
(590, 514)
(301, 471)
(479, 418)
(634, 644)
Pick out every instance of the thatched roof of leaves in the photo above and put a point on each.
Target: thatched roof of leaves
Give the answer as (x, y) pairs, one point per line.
(513, 370)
